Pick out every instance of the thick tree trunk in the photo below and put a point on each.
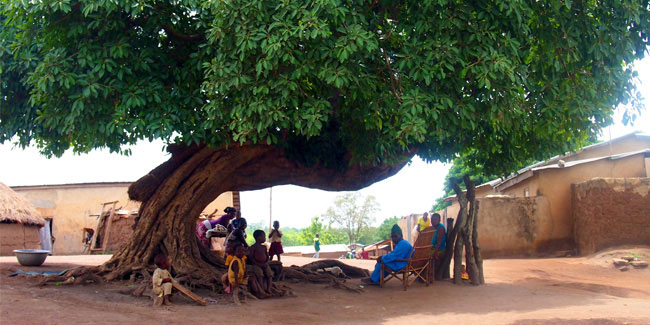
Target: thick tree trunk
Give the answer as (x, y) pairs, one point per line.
(174, 194)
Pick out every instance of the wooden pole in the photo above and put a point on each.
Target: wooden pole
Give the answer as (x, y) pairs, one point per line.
(109, 221)
(271, 209)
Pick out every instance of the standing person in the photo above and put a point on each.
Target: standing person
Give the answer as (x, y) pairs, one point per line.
(237, 236)
(275, 237)
(162, 281)
(394, 259)
(236, 274)
(316, 246)
(423, 222)
(439, 241)
(420, 225)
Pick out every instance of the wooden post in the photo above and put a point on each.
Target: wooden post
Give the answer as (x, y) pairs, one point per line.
(477, 249)
(108, 228)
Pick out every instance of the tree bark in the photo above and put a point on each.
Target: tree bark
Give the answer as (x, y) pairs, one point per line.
(458, 232)
(174, 194)
(470, 261)
(464, 237)
(442, 268)
(477, 249)
(452, 236)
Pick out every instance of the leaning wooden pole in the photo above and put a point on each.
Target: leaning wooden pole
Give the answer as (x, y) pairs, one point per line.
(461, 223)
(477, 249)
(467, 232)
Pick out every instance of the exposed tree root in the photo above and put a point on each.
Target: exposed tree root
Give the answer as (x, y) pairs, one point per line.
(140, 276)
(350, 271)
(307, 275)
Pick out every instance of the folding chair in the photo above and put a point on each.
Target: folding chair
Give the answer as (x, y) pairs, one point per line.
(419, 264)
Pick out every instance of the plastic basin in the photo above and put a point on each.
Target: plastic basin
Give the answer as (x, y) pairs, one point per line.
(31, 257)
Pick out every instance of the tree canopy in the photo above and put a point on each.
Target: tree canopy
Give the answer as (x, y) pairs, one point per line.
(370, 81)
(351, 216)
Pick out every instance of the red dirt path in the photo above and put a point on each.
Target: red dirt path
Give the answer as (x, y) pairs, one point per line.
(518, 291)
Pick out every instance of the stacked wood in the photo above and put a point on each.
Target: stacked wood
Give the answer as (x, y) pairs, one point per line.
(464, 237)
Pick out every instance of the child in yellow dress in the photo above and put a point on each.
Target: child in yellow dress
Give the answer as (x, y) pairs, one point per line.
(236, 275)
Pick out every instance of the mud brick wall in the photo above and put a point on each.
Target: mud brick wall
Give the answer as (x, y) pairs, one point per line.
(611, 212)
(16, 236)
(121, 231)
(513, 227)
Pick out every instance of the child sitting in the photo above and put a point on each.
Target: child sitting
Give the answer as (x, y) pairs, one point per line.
(236, 274)
(260, 274)
(162, 281)
(237, 236)
(275, 237)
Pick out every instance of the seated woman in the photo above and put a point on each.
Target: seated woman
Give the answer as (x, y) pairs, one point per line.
(402, 250)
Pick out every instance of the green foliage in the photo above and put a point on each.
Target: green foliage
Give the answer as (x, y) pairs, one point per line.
(292, 237)
(250, 240)
(459, 168)
(383, 231)
(367, 236)
(327, 80)
(352, 217)
(316, 227)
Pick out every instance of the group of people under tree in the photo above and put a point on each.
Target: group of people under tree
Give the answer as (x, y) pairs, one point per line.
(395, 260)
(250, 265)
(246, 265)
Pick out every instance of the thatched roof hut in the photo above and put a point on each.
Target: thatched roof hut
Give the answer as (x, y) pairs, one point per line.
(14, 208)
(19, 222)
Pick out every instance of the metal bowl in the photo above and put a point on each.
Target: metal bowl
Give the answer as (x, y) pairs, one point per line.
(31, 257)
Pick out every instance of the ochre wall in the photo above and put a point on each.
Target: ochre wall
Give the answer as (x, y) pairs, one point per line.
(16, 236)
(555, 184)
(70, 205)
(556, 232)
(610, 212)
(512, 226)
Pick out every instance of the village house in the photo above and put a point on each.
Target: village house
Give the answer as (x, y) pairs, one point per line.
(74, 208)
(547, 208)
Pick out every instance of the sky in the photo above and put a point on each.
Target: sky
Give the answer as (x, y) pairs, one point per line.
(412, 190)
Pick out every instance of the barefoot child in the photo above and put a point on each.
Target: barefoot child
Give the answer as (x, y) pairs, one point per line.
(236, 275)
(275, 237)
(260, 274)
(162, 281)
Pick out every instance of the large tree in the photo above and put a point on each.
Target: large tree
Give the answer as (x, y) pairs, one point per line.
(324, 93)
(351, 216)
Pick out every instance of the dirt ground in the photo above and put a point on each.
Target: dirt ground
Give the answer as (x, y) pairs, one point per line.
(583, 290)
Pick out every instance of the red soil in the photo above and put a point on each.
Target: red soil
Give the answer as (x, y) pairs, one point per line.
(521, 291)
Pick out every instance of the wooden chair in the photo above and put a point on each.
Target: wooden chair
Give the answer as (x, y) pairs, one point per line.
(419, 264)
